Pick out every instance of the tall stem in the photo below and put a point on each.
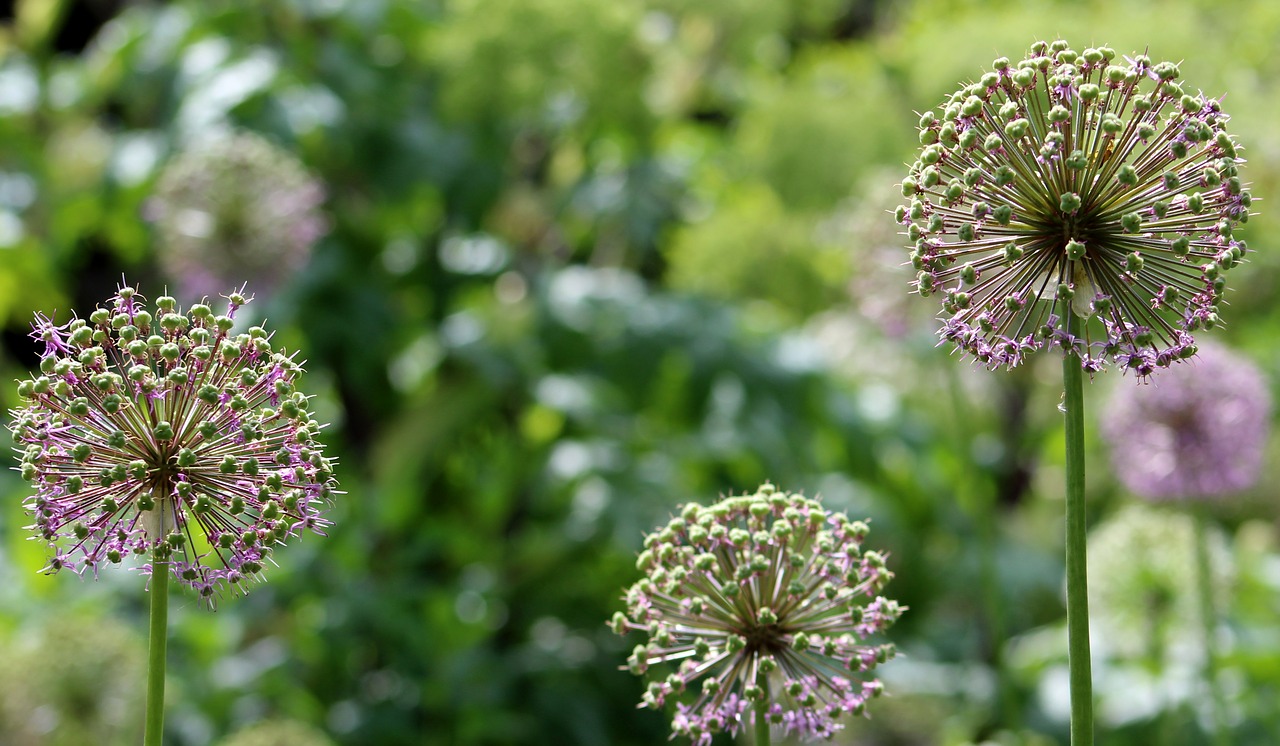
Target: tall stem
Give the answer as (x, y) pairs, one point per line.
(761, 710)
(159, 634)
(1077, 575)
(762, 722)
(1209, 618)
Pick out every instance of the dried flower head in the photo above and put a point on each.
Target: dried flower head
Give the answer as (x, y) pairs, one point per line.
(235, 209)
(162, 434)
(1142, 593)
(761, 600)
(1197, 432)
(1075, 184)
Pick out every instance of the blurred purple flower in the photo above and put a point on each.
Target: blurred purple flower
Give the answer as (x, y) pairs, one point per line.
(232, 210)
(1076, 184)
(164, 435)
(761, 599)
(1197, 432)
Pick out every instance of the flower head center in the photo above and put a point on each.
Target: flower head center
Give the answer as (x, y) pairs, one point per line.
(764, 639)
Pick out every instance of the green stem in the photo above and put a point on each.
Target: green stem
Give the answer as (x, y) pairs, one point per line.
(154, 733)
(762, 722)
(1077, 574)
(1209, 617)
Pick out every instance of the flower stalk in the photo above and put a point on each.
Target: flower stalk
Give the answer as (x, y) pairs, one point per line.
(1084, 202)
(1078, 654)
(156, 652)
(150, 432)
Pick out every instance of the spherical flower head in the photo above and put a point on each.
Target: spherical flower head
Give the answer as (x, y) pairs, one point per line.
(1076, 184)
(235, 209)
(1199, 431)
(154, 432)
(759, 600)
(1142, 592)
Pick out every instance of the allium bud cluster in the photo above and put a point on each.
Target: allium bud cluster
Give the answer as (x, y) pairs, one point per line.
(1196, 433)
(1076, 184)
(234, 209)
(158, 433)
(761, 600)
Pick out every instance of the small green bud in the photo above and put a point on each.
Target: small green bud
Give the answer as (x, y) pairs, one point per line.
(1017, 128)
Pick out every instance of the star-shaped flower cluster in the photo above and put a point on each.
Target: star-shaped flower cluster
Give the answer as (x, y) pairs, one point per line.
(160, 434)
(1075, 184)
(760, 601)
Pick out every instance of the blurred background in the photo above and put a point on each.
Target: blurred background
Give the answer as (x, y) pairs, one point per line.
(557, 267)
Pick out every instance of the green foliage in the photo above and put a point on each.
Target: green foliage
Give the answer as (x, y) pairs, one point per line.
(71, 680)
(589, 260)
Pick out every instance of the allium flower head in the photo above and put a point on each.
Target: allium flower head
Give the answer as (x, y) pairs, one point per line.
(1197, 432)
(159, 433)
(763, 599)
(1076, 183)
(235, 209)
